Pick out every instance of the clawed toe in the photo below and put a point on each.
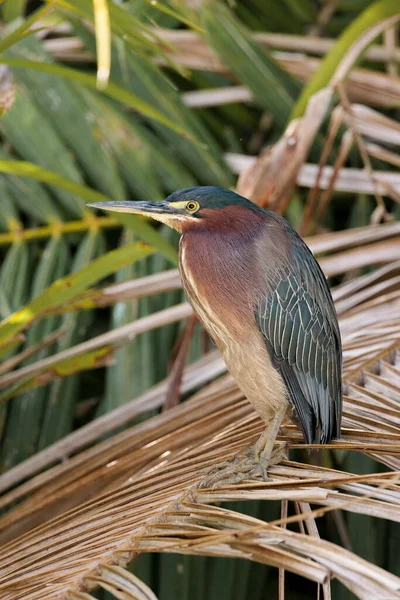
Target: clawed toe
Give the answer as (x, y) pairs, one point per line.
(226, 464)
(229, 475)
(247, 466)
(278, 454)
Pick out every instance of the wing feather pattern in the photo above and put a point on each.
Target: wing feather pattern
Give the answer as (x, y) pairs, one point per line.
(298, 321)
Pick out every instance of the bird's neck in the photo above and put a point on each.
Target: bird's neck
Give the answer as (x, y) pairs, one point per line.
(219, 261)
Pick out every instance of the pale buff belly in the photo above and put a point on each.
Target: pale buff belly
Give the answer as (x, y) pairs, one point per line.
(250, 365)
(248, 361)
(240, 343)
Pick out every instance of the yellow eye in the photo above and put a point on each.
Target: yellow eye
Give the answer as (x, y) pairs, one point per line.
(192, 206)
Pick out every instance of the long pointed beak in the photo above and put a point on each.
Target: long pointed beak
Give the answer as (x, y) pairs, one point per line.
(150, 209)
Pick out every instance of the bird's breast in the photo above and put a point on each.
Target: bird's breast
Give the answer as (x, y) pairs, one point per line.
(222, 292)
(219, 282)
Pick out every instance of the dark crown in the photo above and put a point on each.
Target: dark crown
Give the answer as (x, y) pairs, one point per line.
(211, 196)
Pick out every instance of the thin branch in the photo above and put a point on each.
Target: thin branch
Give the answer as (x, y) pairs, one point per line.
(364, 154)
(281, 576)
(176, 374)
(12, 362)
(390, 45)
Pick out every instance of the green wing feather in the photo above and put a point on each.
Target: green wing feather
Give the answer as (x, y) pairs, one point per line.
(298, 320)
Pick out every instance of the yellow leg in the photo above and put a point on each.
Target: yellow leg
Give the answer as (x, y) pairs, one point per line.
(264, 446)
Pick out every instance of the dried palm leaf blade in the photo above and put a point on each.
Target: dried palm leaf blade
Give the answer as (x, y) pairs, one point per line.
(130, 493)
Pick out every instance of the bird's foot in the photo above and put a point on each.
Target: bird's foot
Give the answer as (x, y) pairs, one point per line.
(244, 466)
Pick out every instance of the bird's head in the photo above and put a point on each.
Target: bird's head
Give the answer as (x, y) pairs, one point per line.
(197, 207)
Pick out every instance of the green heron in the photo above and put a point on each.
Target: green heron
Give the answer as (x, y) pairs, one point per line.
(265, 301)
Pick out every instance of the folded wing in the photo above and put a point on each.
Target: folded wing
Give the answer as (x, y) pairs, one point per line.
(298, 321)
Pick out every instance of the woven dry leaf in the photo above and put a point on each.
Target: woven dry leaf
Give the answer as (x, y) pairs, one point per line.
(80, 521)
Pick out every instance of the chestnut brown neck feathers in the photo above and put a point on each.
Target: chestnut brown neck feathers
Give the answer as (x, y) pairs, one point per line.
(218, 262)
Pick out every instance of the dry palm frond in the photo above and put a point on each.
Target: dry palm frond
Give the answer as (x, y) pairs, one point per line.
(364, 85)
(348, 180)
(259, 178)
(270, 181)
(133, 493)
(188, 40)
(191, 51)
